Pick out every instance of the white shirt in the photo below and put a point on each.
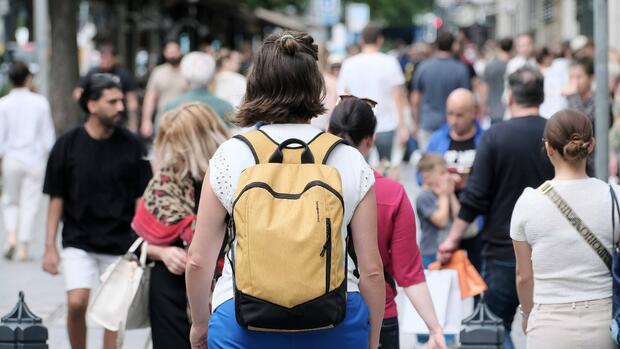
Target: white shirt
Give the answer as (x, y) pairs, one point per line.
(566, 268)
(234, 156)
(26, 127)
(556, 77)
(230, 86)
(373, 76)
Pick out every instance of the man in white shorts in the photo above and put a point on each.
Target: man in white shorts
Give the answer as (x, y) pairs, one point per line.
(94, 177)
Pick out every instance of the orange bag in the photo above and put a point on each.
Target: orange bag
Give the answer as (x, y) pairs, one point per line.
(470, 281)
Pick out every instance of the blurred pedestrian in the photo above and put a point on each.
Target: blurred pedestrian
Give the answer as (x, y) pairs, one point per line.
(198, 68)
(579, 92)
(229, 84)
(571, 304)
(109, 65)
(494, 77)
(555, 72)
(26, 138)
(457, 142)
(378, 76)
(285, 90)
(525, 53)
(166, 215)
(165, 83)
(354, 121)
(508, 159)
(326, 64)
(95, 175)
(433, 81)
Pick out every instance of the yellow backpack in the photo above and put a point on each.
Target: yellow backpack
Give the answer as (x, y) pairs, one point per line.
(289, 264)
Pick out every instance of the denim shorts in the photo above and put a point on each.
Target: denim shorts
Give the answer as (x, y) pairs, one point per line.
(353, 332)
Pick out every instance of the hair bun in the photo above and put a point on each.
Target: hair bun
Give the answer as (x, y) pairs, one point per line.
(289, 44)
(576, 148)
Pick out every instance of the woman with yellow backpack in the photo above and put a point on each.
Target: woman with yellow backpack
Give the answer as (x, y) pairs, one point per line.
(292, 202)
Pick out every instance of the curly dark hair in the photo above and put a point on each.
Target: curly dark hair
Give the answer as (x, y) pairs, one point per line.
(285, 83)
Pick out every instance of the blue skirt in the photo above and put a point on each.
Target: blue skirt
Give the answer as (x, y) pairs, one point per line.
(225, 332)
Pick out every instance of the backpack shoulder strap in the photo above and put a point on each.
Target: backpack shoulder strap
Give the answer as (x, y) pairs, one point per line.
(261, 145)
(585, 232)
(322, 146)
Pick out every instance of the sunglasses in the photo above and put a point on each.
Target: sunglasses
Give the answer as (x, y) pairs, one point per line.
(369, 101)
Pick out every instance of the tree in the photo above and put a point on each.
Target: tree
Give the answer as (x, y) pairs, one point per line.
(64, 71)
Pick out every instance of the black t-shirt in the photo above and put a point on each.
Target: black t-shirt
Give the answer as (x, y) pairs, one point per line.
(460, 155)
(99, 182)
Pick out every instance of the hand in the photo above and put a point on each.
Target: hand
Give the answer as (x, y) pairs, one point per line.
(174, 258)
(436, 340)
(198, 336)
(524, 324)
(51, 260)
(403, 134)
(146, 129)
(445, 250)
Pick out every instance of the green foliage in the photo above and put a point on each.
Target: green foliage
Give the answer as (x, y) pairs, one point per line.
(389, 12)
(396, 12)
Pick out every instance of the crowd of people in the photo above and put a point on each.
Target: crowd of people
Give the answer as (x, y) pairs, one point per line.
(480, 119)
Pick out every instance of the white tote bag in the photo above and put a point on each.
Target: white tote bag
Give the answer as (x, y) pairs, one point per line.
(446, 296)
(122, 300)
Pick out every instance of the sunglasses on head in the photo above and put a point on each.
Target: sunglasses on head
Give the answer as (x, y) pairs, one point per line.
(369, 101)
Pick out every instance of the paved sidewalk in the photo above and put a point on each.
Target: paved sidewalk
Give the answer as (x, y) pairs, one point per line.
(46, 297)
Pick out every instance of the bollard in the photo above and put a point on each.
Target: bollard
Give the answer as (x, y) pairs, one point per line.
(21, 329)
(482, 330)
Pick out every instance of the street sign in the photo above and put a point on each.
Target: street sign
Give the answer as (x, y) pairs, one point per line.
(326, 12)
(357, 16)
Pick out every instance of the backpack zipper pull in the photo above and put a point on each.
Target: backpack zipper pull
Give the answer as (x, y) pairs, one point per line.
(324, 249)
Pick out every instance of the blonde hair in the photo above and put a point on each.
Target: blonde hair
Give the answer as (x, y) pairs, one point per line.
(187, 138)
(429, 161)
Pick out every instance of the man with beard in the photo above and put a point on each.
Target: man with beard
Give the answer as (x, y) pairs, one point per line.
(95, 175)
(109, 64)
(165, 83)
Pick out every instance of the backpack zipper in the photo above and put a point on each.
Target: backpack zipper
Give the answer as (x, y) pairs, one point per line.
(327, 248)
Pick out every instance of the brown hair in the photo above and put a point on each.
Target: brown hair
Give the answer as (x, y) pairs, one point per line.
(285, 83)
(187, 138)
(429, 161)
(569, 132)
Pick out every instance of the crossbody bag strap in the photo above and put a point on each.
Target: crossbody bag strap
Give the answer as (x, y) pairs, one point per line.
(585, 232)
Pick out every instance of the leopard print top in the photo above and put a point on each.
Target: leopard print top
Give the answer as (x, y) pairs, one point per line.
(170, 198)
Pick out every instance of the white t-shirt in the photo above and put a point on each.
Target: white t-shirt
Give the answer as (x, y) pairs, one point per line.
(373, 75)
(566, 268)
(234, 156)
(26, 127)
(230, 86)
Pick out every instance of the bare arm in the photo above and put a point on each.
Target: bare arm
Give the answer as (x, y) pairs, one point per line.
(372, 282)
(202, 258)
(400, 101)
(525, 274)
(441, 216)
(54, 214)
(132, 111)
(482, 90)
(148, 108)
(455, 205)
(420, 297)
